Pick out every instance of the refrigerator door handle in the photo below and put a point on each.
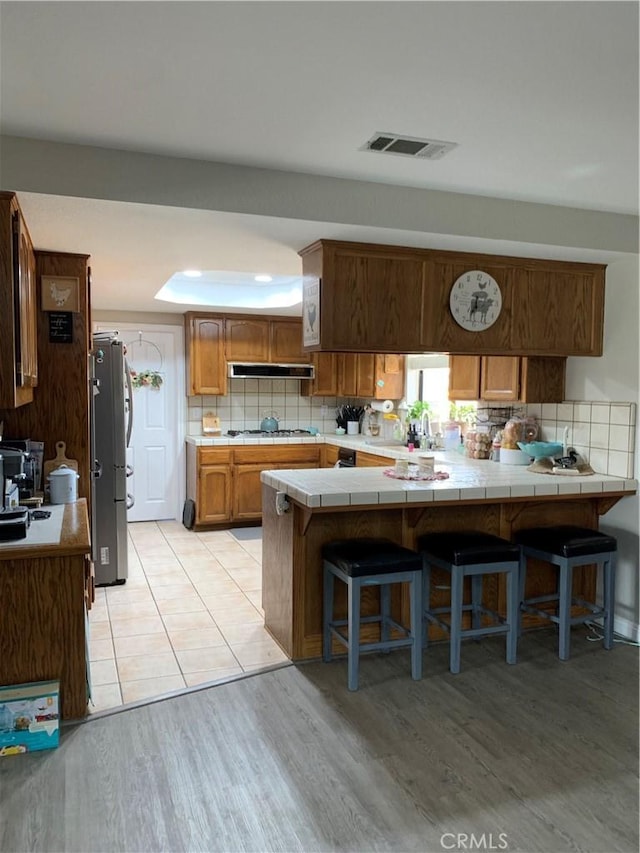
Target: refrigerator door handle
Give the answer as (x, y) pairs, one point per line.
(130, 500)
(127, 373)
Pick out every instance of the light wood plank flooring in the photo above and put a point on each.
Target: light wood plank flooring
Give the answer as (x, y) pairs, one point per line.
(288, 760)
(190, 613)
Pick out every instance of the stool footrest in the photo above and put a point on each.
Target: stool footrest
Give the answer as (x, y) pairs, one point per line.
(385, 645)
(469, 632)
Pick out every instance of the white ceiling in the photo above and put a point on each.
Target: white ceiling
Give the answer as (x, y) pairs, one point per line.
(542, 99)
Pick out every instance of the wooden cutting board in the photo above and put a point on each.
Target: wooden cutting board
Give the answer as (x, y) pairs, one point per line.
(51, 464)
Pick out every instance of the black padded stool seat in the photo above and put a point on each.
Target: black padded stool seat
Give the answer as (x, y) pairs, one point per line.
(471, 554)
(567, 540)
(463, 549)
(358, 557)
(567, 547)
(371, 562)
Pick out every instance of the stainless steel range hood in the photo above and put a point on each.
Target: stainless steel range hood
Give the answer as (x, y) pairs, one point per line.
(270, 371)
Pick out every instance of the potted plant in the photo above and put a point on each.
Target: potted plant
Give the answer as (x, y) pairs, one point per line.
(463, 414)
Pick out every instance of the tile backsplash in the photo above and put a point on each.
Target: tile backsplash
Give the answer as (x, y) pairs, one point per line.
(603, 433)
(247, 400)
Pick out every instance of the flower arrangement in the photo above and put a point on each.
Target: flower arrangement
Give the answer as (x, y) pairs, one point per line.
(146, 379)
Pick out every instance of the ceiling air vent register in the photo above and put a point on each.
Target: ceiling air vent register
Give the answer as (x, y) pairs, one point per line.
(408, 146)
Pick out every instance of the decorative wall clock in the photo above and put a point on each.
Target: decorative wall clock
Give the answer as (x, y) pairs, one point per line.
(475, 300)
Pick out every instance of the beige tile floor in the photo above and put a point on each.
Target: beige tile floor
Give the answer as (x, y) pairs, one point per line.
(188, 614)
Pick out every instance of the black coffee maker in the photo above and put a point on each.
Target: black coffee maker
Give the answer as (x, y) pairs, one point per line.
(20, 465)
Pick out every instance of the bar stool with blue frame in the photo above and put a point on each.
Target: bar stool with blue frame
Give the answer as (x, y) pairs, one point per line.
(371, 562)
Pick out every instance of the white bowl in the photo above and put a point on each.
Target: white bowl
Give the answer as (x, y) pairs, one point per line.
(514, 457)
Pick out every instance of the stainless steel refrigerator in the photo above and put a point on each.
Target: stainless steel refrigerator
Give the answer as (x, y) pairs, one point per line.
(111, 424)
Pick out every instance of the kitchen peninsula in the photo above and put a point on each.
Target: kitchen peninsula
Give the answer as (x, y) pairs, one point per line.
(347, 503)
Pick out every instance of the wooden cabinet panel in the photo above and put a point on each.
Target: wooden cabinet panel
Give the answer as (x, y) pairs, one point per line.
(371, 460)
(247, 491)
(560, 311)
(329, 455)
(500, 378)
(325, 381)
(213, 340)
(285, 345)
(247, 340)
(27, 367)
(377, 298)
(18, 307)
(389, 377)
(367, 296)
(363, 375)
(542, 380)
(464, 377)
(507, 378)
(225, 482)
(213, 503)
(251, 462)
(347, 375)
(206, 367)
(277, 455)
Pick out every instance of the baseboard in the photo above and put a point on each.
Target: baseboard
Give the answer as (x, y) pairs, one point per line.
(626, 628)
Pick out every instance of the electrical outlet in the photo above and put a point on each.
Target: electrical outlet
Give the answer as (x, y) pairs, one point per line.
(282, 504)
(324, 411)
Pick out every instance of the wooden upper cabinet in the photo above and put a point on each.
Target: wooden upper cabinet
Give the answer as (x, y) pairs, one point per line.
(559, 309)
(347, 375)
(278, 341)
(388, 377)
(500, 378)
(381, 299)
(247, 340)
(325, 381)
(285, 342)
(370, 296)
(464, 377)
(206, 366)
(18, 307)
(507, 378)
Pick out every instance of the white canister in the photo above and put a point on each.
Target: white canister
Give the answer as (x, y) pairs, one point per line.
(353, 427)
(63, 485)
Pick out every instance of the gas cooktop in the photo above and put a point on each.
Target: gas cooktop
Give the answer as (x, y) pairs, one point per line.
(232, 433)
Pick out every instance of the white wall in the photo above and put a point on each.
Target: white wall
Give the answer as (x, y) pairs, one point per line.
(615, 378)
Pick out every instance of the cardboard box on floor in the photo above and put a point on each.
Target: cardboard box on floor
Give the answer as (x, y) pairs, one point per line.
(29, 717)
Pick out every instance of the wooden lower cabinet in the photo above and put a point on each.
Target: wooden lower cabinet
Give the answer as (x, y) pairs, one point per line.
(214, 494)
(329, 455)
(371, 460)
(225, 482)
(247, 491)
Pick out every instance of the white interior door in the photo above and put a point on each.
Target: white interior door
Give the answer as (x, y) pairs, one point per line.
(155, 452)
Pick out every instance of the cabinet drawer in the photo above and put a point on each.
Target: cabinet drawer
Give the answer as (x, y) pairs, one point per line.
(214, 455)
(281, 456)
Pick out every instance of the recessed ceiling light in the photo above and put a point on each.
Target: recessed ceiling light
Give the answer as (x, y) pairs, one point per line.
(192, 273)
(266, 278)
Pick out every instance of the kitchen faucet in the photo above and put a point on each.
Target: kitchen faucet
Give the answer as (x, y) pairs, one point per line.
(425, 425)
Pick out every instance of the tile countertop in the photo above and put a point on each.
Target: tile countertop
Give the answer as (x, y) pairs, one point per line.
(469, 479)
(354, 442)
